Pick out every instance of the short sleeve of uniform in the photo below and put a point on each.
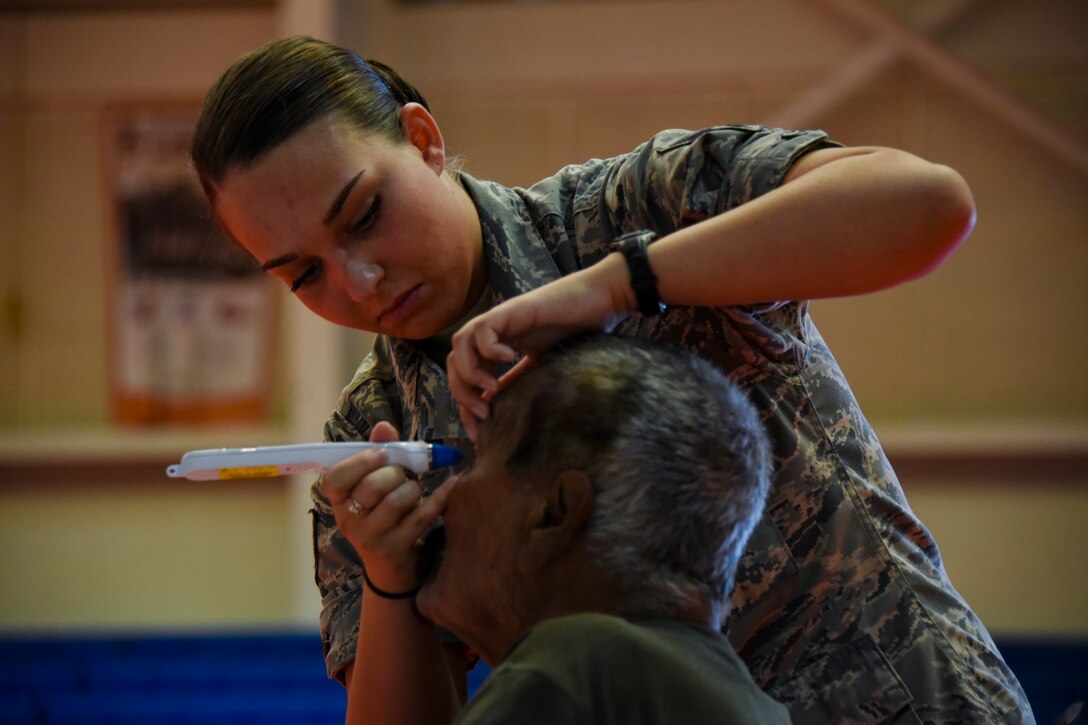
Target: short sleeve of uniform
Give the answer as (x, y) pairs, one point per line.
(337, 567)
(679, 178)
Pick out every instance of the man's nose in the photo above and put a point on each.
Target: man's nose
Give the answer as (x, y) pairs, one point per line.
(362, 278)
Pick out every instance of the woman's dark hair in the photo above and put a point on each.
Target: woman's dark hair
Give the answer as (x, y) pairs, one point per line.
(270, 94)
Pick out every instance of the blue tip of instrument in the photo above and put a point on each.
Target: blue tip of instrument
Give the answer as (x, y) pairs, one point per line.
(443, 455)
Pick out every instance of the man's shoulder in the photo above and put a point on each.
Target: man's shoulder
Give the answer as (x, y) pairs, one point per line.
(598, 664)
(590, 639)
(582, 623)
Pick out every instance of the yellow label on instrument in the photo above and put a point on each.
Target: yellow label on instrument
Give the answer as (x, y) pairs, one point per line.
(248, 472)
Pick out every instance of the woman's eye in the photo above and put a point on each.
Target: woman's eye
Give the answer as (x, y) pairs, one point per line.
(367, 220)
(306, 277)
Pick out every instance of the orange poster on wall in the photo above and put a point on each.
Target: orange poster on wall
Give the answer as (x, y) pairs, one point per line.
(192, 316)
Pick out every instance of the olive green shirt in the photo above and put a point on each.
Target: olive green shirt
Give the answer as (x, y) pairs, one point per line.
(596, 669)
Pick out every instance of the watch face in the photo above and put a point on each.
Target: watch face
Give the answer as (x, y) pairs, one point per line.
(633, 242)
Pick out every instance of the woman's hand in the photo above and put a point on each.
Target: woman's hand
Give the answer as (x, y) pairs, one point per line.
(382, 512)
(595, 298)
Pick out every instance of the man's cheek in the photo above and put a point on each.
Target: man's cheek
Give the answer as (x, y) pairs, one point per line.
(432, 552)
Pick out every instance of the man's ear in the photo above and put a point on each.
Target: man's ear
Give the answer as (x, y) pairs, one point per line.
(558, 517)
(422, 131)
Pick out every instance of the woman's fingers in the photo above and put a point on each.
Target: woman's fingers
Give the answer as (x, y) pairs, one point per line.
(421, 516)
(471, 416)
(475, 350)
(384, 501)
(472, 358)
(383, 432)
(374, 513)
(381, 511)
(385, 487)
(527, 324)
(465, 381)
(392, 561)
(339, 481)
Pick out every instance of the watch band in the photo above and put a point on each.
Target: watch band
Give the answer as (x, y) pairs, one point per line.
(633, 247)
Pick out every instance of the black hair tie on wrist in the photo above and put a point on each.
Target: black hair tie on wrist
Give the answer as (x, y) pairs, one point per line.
(388, 595)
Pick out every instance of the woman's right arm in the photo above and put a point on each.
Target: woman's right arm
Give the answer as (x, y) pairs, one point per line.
(400, 672)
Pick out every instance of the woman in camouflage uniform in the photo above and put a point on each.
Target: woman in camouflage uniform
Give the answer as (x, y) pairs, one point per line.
(332, 173)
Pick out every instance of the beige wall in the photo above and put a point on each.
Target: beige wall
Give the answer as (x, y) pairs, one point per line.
(973, 376)
(92, 533)
(118, 546)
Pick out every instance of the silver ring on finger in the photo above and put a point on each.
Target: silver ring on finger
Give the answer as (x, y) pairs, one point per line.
(356, 508)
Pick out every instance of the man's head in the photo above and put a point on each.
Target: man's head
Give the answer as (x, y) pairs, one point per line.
(612, 476)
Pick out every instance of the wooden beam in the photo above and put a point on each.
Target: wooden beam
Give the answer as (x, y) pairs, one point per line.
(862, 67)
(892, 40)
(66, 6)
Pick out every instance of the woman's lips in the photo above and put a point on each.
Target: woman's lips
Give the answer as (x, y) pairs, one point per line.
(401, 307)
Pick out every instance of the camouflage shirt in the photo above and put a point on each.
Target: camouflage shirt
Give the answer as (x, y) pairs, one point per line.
(842, 608)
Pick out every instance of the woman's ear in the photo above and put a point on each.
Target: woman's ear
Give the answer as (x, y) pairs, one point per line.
(558, 517)
(422, 131)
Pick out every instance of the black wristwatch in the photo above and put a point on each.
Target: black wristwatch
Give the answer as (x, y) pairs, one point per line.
(633, 247)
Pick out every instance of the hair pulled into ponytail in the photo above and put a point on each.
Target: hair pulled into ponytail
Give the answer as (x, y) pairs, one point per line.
(271, 93)
(401, 89)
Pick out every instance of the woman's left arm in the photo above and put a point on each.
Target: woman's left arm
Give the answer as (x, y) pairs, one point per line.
(845, 221)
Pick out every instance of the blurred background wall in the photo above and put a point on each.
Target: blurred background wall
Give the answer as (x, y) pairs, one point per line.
(974, 377)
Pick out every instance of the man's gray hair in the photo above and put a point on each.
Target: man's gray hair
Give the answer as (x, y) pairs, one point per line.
(676, 452)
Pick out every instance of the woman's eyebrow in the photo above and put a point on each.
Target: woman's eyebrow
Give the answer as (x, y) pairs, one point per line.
(338, 202)
(279, 261)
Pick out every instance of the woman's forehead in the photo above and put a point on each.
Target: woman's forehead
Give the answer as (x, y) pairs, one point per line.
(301, 178)
(317, 148)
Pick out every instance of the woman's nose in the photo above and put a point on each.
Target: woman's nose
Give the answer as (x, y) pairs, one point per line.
(362, 278)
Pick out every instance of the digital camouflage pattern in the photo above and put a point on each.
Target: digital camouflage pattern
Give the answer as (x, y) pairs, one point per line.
(842, 608)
